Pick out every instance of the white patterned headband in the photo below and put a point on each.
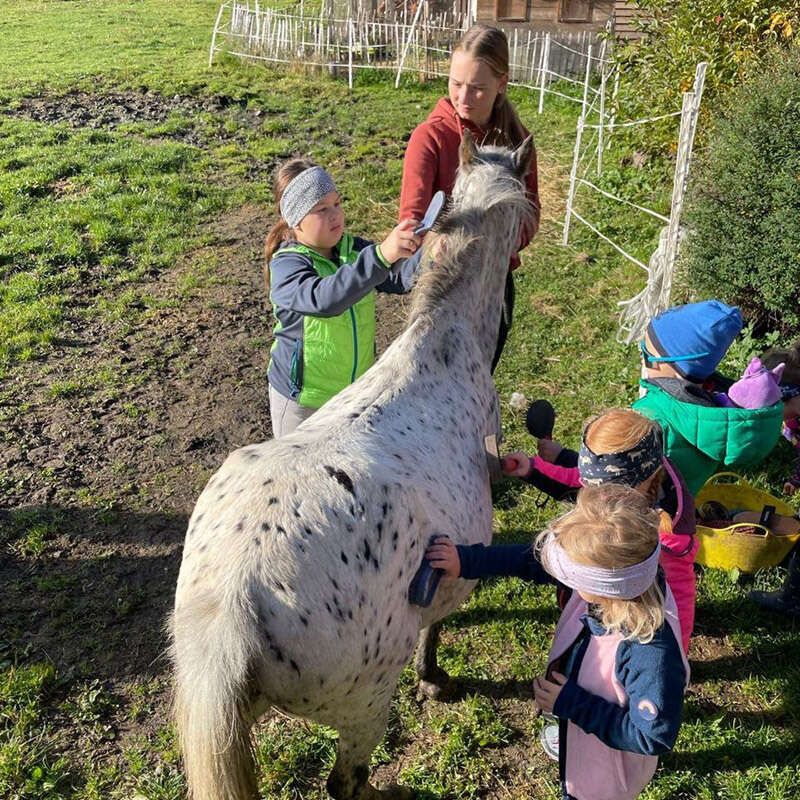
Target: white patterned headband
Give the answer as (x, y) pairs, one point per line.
(303, 192)
(624, 583)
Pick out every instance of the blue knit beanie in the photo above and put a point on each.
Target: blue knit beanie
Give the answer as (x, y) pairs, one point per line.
(695, 337)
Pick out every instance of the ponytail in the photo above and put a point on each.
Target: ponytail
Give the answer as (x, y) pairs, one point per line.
(506, 127)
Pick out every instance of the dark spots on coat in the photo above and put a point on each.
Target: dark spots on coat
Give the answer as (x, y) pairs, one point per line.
(349, 528)
(328, 607)
(278, 585)
(280, 529)
(335, 584)
(307, 531)
(303, 620)
(388, 620)
(221, 496)
(272, 501)
(265, 526)
(256, 541)
(394, 540)
(294, 665)
(413, 544)
(342, 477)
(367, 550)
(267, 482)
(240, 525)
(384, 509)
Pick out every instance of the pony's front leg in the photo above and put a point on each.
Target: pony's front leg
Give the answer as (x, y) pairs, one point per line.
(433, 680)
(349, 778)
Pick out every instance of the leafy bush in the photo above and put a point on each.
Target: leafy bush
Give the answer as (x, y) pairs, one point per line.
(729, 34)
(744, 211)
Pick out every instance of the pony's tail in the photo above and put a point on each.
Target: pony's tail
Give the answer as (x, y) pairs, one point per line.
(212, 650)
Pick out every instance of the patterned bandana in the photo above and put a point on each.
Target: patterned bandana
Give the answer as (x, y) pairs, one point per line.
(303, 192)
(629, 467)
(625, 583)
(789, 391)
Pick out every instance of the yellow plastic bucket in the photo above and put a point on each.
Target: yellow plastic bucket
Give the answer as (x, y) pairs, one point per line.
(735, 547)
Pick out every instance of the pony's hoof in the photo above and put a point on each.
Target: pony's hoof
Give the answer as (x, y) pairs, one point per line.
(435, 689)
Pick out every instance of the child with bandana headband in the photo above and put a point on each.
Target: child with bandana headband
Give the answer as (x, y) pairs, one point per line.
(623, 447)
(321, 283)
(616, 672)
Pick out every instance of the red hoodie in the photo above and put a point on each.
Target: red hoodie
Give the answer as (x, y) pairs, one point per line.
(431, 162)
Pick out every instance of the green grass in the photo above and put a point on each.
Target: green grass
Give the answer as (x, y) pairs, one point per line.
(91, 219)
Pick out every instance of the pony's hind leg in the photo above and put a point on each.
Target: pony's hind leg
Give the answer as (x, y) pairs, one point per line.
(433, 680)
(349, 778)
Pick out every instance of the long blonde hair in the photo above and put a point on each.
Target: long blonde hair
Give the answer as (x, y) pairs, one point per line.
(281, 231)
(612, 526)
(618, 430)
(490, 45)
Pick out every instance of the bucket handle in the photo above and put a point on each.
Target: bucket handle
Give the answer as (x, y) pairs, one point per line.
(765, 532)
(714, 479)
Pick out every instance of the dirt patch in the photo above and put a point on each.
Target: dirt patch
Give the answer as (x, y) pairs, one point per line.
(108, 442)
(109, 111)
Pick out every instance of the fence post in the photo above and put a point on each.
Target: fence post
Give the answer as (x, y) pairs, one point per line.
(214, 34)
(678, 191)
(587, 75)
(697, 91)
(572, 177)
(407, 43)
(543, 70)
(350, 38)
(601, 129)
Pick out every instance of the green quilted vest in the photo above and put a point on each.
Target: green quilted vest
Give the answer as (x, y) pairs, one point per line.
(701, 440)
(335, 350)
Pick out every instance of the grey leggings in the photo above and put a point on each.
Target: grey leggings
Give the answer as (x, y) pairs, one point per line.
(285, 414)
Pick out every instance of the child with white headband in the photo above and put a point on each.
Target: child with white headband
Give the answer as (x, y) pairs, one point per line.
(616, 671)
(321, 283)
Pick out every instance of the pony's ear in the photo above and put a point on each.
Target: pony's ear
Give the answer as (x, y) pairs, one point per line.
(522, 157)
(778, 372)
(467, 151)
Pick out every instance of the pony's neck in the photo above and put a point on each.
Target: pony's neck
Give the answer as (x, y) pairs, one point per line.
(477, 298)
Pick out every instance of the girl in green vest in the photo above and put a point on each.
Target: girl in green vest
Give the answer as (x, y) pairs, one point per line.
(321, 283)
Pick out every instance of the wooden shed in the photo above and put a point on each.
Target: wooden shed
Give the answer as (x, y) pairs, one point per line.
(547, 15)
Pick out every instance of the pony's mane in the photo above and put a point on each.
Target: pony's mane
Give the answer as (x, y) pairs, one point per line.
(482, 185)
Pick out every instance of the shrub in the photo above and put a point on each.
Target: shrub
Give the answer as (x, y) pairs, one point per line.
(729, 34)
(744, 210)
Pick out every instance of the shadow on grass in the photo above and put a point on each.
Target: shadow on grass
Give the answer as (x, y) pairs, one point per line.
(740, 756)
(544, 615)
(89, 589)
(459, 689)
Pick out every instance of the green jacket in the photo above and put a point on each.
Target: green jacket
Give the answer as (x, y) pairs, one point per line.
(324, 338)
(700, 438)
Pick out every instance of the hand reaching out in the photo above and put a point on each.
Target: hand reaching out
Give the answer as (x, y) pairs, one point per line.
(401, 242)
(442, 554)
(549, 449)
(517, 465)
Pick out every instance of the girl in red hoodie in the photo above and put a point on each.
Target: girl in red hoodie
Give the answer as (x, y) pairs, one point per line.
(477, 102)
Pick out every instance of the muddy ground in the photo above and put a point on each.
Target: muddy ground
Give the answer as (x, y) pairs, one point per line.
(110, 437)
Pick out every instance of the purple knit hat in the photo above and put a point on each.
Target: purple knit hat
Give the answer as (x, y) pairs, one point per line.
(759, 387)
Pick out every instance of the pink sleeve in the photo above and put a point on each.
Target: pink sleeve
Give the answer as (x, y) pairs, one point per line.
(569, 476)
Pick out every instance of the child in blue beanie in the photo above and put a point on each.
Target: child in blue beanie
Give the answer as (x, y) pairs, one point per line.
(681, 350)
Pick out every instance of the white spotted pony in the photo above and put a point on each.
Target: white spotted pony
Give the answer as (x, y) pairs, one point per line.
(293, 589)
